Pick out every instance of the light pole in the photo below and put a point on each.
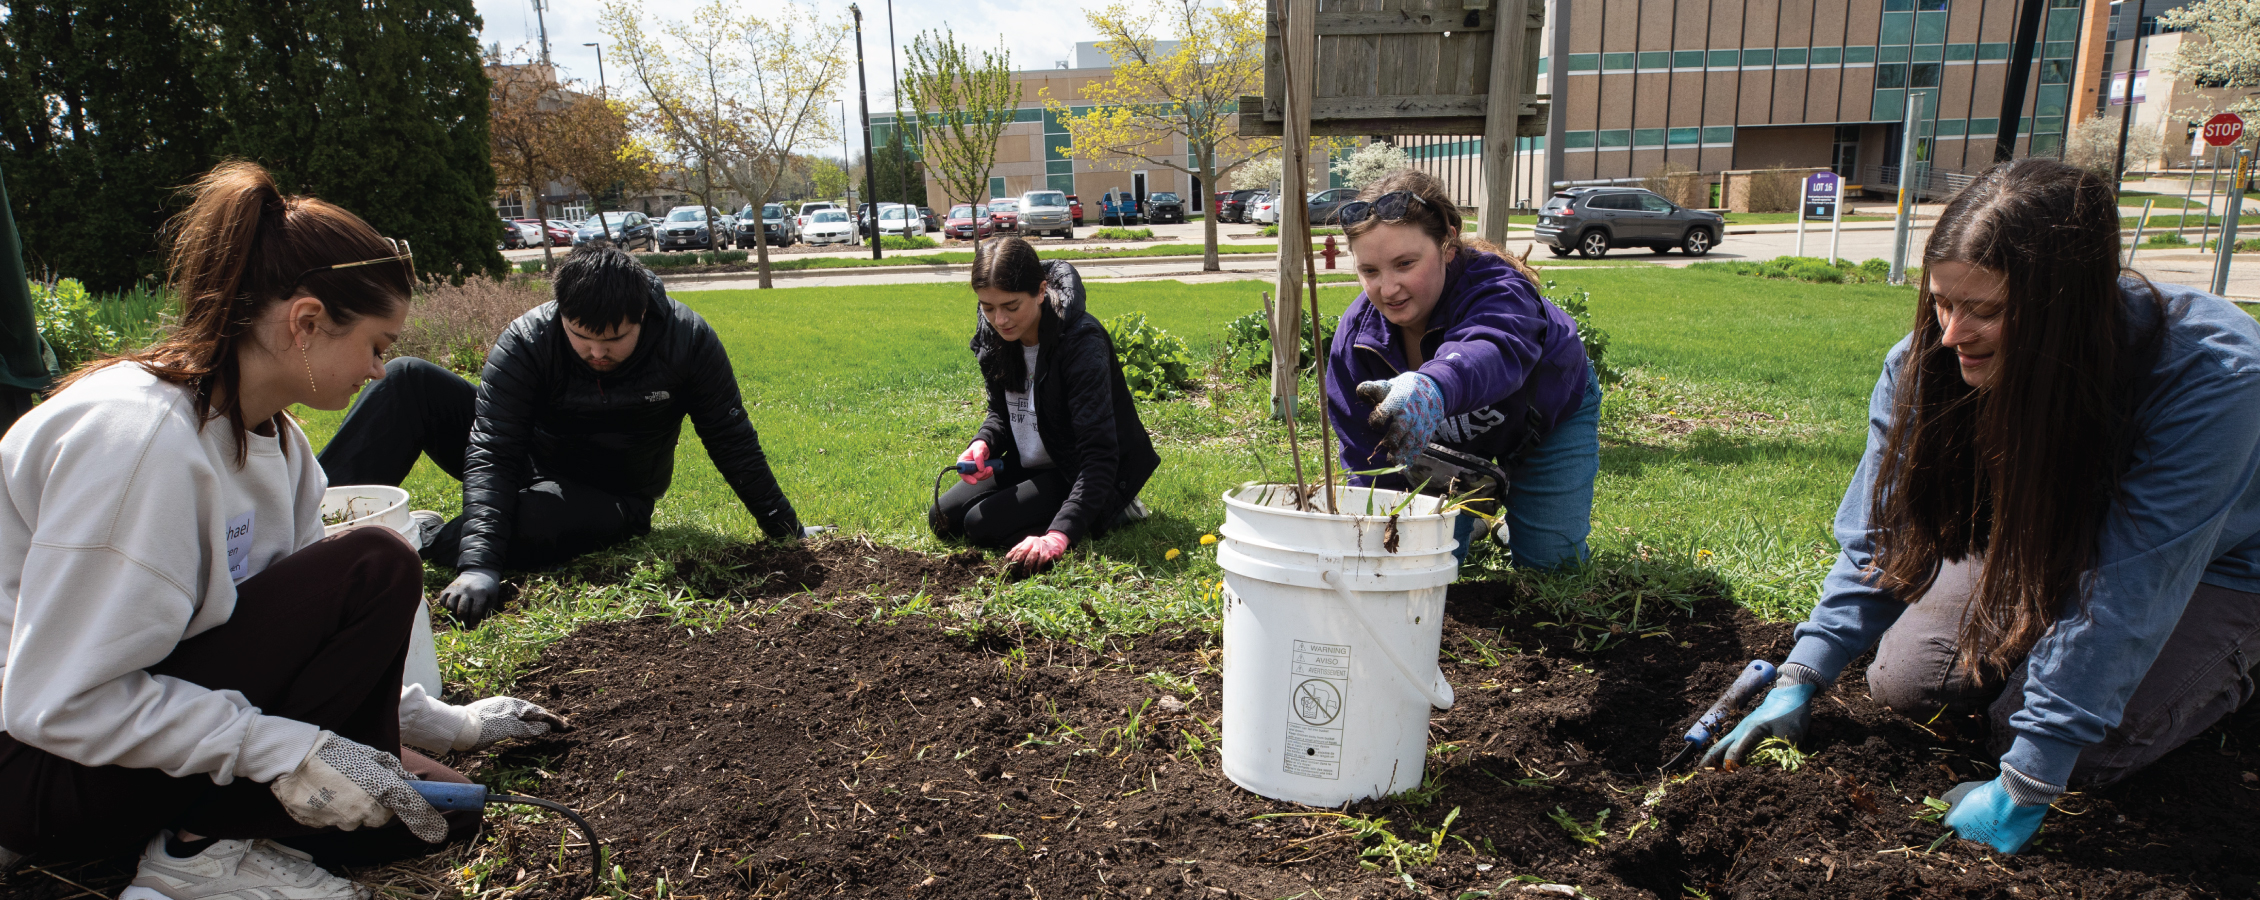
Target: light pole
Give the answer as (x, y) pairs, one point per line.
(902, 163)
(870, 177)
(599, 67)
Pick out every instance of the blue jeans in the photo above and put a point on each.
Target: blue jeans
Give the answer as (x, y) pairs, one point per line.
(1549, 504)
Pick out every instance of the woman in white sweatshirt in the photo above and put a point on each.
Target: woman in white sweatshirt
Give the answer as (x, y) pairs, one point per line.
(190, 666)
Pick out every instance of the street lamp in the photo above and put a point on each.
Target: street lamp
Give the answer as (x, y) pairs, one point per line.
(599, 67)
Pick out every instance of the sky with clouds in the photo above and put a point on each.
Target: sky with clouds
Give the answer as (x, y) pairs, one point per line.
(1038, 32)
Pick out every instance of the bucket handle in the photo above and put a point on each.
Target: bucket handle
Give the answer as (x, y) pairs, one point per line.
(1436, 689)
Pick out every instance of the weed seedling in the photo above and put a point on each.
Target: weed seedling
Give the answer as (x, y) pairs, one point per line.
(1170, 682)
(1778, 752)
(1934, 811)
(1585, 834)
(1426, 793)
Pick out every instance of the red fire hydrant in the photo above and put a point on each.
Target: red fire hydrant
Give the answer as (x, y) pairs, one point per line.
(1330, 252)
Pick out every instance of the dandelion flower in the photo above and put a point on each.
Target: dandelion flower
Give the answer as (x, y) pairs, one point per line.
(1173, 553)
(1207, 539)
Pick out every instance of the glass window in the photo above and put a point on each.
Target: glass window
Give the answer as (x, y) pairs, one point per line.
(1890, 106)
(1859, 55)
(1655, 59)
(1718, 134)
(1827, 56)
(2056, 49)
(1575, 140)
(1985, 126)
(1930, 28)
(1899, 5)
(2049, 125)
(1893, 76)
(1681, 137)
(2050, 100)
(1620, 137)
(1687, 59)
(1959, 52)
(1725, 57)
(1611, 61)
(1653, 203)
(2046, 144)
(1923, 75)
(2063, 25)
(1898, 28)
(1584, 62)
(1891, 53)
(1060, 183)
(1648, 137)
(1938, 5)
(1789, 56)
(2056, 71)
(1758, 57)
(1951, 127)
(1542, 61)
(1929, 52)
(1993, 51)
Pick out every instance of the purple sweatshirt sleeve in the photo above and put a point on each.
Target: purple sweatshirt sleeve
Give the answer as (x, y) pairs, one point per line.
(1497, 341)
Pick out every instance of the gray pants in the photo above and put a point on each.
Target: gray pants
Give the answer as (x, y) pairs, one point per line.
(2203, 674)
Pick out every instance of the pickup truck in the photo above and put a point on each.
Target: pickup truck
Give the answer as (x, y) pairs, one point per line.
(1118, 208)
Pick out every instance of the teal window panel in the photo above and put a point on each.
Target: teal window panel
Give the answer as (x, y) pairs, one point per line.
(1063, 183)
(1647, 137)
(1951, 127)
(1584, 62)
(1827, 56)
(1961, 52)
(2057, 50)
(1687, 59)
(1055, 146)
(2064, 4)
(1993, 51)
(1985, 126)
(2055, 71)
(1618, 137)
(1758, 57)
(1726, 57)
(1930, 28)
(1890, 106)
(1536, 143)
(1053, 124)
(1924, 75)
(1937, 5)
(1898, 28)
(1899, 5)
(1577, 140)
(1542, 61)
(2046, 144)
(1929, 52)
(1891, 76)
(1028, 115)
(996, 186)
(1789, 56)
(1655, 59)
(1718, 134)
(1065, 166)
(2063, 25)
(1891, 53)
(1611, 61)
(1681, 137)
(2050, 100)
(2049, 125)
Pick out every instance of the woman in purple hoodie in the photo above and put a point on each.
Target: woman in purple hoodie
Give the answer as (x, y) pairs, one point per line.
(1450, 344)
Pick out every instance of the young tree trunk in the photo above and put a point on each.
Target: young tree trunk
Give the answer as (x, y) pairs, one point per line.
(1209, 261)
(541, 216)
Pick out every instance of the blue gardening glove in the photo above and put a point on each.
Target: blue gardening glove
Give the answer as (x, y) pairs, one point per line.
(1407, 409)
(2003, 813)
(1787, 712)
(473, 594)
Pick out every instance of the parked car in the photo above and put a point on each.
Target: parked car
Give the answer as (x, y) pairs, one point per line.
(1004, 212)
(686, 228)
(772, 225)
(1118, 207)
(1235, 207)
(1216, 205)
(933, 222)
(1075, 205)
(1594, 220)
(1325, 207)
(808, 210)
(828, 226)
(537, 233)
(624, 228)
(560, 232)
(897, 219)
(1046, 213)
(1163, 207)
(1263, 209)
(513, 236)
(967, 222)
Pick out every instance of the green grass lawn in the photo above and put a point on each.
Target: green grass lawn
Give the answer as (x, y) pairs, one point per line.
(1790, 218)
(2135, 199)
(1725, 449)
(2190, 221)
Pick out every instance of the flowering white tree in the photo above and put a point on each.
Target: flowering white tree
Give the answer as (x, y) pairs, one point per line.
(1371, 163)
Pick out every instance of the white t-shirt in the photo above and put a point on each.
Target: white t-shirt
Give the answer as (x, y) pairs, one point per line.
(1020, 405)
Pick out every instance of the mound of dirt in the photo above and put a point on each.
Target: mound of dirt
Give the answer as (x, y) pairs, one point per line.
(823, 753)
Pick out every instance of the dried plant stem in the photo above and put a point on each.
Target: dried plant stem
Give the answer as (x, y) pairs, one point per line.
(1318, 365)
(1294, 446)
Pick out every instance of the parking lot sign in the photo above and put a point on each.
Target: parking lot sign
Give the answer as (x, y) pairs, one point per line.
(1820, 195)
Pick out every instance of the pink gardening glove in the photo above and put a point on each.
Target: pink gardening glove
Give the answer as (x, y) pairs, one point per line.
(1038, 552)
(979, 455)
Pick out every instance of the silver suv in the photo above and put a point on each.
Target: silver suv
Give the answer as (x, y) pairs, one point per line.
(1046, 212)
(1594, 220)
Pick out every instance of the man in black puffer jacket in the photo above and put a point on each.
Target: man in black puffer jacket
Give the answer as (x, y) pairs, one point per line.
(569, 439)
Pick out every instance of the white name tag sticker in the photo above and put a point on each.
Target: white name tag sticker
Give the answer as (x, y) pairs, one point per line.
(239, 546)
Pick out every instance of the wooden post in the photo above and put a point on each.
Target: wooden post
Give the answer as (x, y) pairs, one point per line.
(1299, 52)
(1502, 112)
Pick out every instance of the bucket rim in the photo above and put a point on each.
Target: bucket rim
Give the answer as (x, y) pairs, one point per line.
(1230, 499)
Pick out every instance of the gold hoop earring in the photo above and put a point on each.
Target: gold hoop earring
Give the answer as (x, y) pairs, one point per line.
(309, 369)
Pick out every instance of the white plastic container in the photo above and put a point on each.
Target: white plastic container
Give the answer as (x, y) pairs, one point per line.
(1330, 642)
(378, 504)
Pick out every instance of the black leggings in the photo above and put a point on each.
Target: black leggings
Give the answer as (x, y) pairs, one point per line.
(422, 409)
(996, 513)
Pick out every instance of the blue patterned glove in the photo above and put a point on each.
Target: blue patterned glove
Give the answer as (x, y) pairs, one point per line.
(1408, 409)
(1787, 712)
(2003, 813)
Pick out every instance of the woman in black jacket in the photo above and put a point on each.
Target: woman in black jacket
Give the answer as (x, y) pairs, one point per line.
(1070, 454)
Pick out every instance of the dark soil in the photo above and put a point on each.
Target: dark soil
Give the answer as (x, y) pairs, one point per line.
(821, 752)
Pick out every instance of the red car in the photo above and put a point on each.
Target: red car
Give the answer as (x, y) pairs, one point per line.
(560, 234)
(1004, 213)
(967, 222)
(1075, 208)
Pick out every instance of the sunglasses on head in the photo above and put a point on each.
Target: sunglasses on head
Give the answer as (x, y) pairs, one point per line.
(400, 254)
(1389, 207)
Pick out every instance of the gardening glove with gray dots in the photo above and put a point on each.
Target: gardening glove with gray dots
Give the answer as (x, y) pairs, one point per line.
(498, 719)
(346, 785)
(473, 594)
(1407, 409)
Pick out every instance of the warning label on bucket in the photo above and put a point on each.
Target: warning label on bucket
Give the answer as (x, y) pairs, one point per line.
(1318, 682)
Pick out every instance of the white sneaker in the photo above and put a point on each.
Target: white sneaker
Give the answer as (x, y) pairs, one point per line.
(428, 524)
(1136, 510)
(236, 870)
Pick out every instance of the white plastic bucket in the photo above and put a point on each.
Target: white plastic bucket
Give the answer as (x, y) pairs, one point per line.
(378, 504)
(1330, 642)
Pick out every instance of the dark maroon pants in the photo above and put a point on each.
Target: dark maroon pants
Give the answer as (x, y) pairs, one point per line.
(319, 637)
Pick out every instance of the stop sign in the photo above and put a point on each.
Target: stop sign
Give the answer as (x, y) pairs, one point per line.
(2223, 130)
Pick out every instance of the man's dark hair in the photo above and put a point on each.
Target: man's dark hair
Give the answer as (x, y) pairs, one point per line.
(600, 287)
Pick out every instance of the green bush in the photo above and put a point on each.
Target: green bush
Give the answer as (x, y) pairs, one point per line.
(1123, 234)
(2166, 239)
(1155, 363)
(721, 258)
(1247, 340)
(1575, 301)
(665, 260)
(1273, 230)
(1878, 270)
(898, 242)
(71, 322)
(531, 267)
(1817, 271)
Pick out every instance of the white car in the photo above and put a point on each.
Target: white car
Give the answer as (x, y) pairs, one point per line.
(895, 218)
(1266, 211)
(828, 226)
(808, 210)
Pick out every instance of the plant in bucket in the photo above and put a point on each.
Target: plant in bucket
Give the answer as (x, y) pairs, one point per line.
(352, 506)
